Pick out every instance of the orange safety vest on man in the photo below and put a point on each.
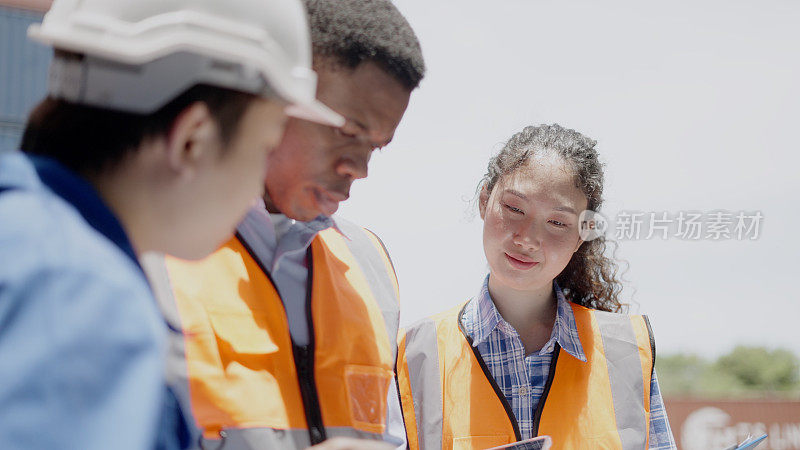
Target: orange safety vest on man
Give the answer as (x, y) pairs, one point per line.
(451, 401)
(248, 385)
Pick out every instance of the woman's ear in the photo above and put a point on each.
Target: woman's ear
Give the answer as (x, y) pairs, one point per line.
(192, 136)
(578, 246)
(483, 200)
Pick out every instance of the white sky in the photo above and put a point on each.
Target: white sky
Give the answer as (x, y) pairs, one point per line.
(695, 107)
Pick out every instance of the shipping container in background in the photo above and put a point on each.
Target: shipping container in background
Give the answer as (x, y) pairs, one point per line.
(23, 67)
(717, 424)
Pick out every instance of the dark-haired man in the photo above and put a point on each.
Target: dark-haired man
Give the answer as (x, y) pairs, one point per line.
(291, 327)
(154, 137)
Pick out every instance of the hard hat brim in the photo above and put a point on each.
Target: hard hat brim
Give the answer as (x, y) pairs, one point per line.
(315, 111)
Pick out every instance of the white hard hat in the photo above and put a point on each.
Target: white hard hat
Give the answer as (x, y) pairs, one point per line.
(140, 54)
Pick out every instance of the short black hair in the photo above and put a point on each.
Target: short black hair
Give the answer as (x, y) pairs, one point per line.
(90, 140)
(355, 31)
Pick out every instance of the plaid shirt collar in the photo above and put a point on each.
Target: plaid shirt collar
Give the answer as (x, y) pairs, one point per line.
(481, 318)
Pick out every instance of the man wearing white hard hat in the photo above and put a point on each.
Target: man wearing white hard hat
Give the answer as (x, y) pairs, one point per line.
(154, 136)
(291, 326)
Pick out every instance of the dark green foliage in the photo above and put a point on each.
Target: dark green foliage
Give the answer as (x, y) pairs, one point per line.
(744, 372)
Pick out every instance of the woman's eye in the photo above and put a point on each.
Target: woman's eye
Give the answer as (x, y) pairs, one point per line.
(558, 224)
(512, 209)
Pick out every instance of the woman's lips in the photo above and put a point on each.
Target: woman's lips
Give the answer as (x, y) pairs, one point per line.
(520, 262)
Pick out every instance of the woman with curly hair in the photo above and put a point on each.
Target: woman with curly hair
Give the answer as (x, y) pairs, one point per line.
(543, 349)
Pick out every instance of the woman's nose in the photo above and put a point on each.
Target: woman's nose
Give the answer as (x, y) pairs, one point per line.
(528, 237)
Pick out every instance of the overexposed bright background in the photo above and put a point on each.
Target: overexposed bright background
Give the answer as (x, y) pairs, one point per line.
(695, 107)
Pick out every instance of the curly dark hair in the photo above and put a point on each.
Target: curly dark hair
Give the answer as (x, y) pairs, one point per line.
(354, 31)
(590, 278)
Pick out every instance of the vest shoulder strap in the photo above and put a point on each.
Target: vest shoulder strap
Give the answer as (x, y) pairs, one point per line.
(155, 268)
(372, 258)
(176, 375)
(436, 356)
(385, 251)
(615, 377)
(420, 386)
(366, 242)
(652, 343)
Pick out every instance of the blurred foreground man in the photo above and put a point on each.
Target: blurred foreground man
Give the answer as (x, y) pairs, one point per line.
(154, 137)
(290, 328)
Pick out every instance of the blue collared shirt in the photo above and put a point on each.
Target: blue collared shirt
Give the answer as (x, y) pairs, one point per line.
(81, 337)
(522, 378)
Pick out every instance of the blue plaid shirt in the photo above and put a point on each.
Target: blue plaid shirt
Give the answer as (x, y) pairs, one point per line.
(522, 378)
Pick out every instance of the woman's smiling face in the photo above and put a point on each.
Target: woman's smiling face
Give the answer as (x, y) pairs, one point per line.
(530, 223)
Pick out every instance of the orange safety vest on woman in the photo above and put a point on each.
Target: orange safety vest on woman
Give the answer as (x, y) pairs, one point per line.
(451, 401)
(248, 385)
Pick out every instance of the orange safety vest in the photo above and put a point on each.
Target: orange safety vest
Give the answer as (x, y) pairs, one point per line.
(451, 401)
(248, 385)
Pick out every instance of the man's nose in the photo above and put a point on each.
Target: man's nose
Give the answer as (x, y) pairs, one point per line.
(353, 167)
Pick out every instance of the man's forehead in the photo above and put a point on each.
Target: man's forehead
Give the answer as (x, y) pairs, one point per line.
(369, 97)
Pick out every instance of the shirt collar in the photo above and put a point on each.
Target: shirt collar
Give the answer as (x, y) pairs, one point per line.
(259, 212)
(482, 319)
(312, 227)
(565, 328)
(483, 316)
(257, 230)
(84, 198)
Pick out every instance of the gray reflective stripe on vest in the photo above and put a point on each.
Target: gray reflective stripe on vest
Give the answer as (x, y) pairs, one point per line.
(177, 374)
(380, 282)
(422, 353)
(268, 438)
(625, 373)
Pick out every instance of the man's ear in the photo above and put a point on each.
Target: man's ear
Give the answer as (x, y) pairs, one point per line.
(483, 200)
(193, 135)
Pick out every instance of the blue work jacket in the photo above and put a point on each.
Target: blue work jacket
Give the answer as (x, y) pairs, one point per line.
(81, 338)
